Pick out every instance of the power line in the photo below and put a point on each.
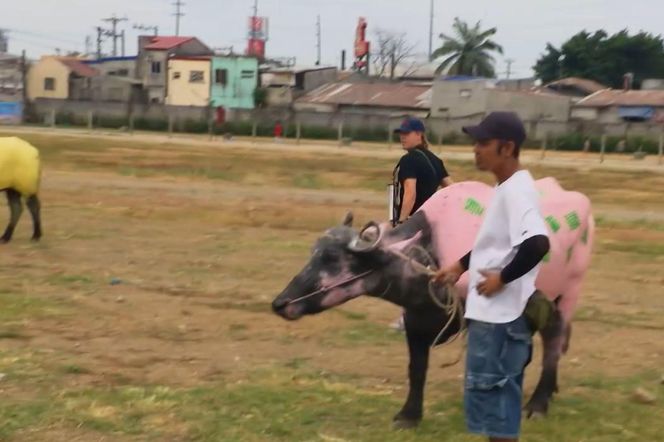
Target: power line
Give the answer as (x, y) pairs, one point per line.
(142, 27)
(41, 36)
(113, 20)
(178, 13)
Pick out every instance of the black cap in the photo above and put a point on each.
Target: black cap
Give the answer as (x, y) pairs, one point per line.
(500, 126)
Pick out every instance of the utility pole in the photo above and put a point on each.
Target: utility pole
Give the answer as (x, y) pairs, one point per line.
(178, 13)
(318, 41)
(431, 32)
(88, 45)
(122, 36)
(24, 80)
(255, 8)
(100, 32)
(509, 62)
(113, 20)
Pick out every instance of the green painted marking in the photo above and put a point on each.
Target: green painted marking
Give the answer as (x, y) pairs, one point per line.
(573, 221)
(584, 237)
(547, 257)
(473, 207)
(553, 223)
(569, 253)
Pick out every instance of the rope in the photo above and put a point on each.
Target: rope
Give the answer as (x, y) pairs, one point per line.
(452, 306)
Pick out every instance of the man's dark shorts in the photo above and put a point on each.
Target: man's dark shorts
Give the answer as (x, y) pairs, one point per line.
(497, 356)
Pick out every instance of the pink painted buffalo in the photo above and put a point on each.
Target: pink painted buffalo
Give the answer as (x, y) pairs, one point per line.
(346, 264)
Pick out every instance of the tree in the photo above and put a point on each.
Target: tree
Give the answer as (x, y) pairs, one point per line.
(469, 51)
(604, 58)
(393, 50)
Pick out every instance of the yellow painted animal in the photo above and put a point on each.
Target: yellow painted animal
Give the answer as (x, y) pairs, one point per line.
(20, 173)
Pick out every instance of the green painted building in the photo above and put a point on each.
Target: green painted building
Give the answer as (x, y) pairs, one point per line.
(234, 79)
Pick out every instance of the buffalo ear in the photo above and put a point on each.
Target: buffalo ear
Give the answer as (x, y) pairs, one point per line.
(348, 220)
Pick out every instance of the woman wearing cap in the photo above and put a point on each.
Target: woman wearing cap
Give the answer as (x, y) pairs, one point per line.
(417, 176)
(419, 173)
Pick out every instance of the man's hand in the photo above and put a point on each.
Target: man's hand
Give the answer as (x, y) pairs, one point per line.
(449, 275)
(491, 284)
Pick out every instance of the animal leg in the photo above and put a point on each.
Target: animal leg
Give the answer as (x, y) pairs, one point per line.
(418, 349)
(15, 210)
(35, 210)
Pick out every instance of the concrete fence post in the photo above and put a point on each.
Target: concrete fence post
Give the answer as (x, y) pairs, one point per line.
(661, 146)
(602, 149)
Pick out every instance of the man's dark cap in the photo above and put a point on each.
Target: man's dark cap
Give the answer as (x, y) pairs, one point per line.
(505, 126)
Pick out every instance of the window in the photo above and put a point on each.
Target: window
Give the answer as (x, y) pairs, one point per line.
(123, 72)
(221, 76)
(156, 67)
(196, 76)
(49, 84)
(247, 74)
(176, 75)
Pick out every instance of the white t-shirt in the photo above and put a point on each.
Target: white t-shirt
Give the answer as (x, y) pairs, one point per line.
(513, 216)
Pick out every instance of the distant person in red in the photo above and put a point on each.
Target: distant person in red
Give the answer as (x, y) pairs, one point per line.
(278, 131)
(219, 118)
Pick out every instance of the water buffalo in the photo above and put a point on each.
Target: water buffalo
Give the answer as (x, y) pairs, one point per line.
(346, 264)
(20, 174)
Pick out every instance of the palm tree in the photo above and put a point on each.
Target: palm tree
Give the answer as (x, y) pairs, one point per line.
(469, 52)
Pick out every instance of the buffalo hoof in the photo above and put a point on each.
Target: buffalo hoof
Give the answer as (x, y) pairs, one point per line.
(536, 409)
(401, 422)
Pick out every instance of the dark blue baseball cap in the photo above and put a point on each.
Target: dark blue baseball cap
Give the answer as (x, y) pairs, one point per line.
(410, 125)
(505, 126)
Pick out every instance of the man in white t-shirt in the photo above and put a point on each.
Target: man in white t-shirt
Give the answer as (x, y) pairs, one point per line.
(503, 266)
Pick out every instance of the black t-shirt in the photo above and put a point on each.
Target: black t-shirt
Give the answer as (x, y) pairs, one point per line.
(426, 168)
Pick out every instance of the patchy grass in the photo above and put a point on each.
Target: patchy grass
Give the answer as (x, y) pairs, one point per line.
(362, 333)
(277, 405)
(15, 307)
(645, 249)
(206, 237)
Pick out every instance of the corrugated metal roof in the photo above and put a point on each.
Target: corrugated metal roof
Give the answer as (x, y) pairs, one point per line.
(406, 95)
(78, 67)
(617, 97)
(589, 86)
(165, 43)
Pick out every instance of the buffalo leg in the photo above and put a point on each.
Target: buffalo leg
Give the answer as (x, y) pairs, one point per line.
(35, 208)
(554, 341)
(418, 349)
(15, 210)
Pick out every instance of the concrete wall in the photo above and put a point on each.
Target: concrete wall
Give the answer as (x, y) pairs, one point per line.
(314, 79)
(283, 87)
(115, 66)
(461, 99)
(182, 91)
(457, 99)
(352, 119)
(529, 106)
(241, 82)
(154, 82)
(48, 67)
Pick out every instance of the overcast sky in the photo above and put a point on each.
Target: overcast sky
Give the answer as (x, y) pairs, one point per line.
(524, 26)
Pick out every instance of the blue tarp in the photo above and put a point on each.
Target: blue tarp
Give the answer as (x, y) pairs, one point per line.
(10, 112)
(636, 113)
